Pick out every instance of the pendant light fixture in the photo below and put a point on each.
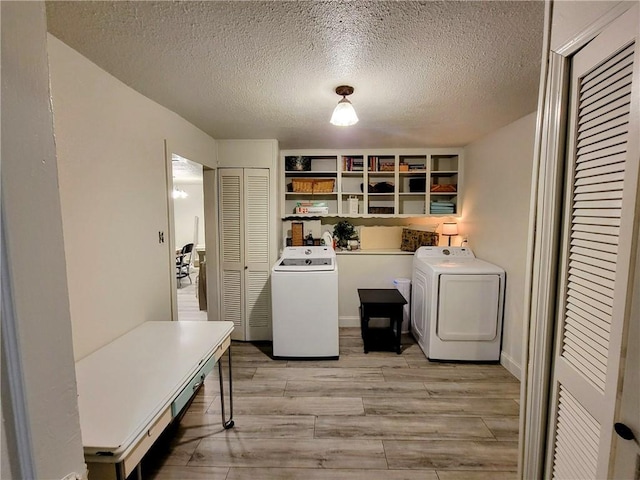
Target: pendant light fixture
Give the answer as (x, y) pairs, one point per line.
(344, 114)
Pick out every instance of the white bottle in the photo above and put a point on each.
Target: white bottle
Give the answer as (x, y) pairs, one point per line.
(327, 239)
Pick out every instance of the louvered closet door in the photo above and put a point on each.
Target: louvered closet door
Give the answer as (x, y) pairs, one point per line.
(231, 221)
(257, 225)
(601, 199)
(244, 220)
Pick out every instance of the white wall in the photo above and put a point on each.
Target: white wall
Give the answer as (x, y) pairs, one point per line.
(184, 212)
(363, 270)
(495, 219)
(570, 18)
(34, 241)
(114, 196)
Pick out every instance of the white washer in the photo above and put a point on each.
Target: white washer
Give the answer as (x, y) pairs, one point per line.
(304, 302)
(457, 304)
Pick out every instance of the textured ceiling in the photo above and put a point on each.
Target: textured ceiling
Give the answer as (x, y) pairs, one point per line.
(184, 170)
(424, 73)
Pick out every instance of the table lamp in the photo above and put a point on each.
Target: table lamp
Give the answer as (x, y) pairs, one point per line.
(449, 229)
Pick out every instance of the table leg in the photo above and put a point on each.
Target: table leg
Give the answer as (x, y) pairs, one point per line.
(227, 424)
(398, 332)
(364, 327)
(399, 335)
(119, 467)
(365, 334)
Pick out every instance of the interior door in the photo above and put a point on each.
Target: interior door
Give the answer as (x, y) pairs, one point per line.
(232, 277)
(257, 267)
(599, 242)
(244, 219)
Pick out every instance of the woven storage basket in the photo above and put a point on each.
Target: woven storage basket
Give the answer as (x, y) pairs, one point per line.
(324, 185)
(313, 185)
(303, 185)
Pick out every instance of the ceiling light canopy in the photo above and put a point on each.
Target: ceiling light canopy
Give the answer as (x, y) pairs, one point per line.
(344, 114)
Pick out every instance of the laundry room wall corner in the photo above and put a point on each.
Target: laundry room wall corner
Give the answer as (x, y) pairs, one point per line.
(497, 225)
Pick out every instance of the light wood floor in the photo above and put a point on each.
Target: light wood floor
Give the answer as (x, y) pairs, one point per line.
(188, 306)
(374, 416)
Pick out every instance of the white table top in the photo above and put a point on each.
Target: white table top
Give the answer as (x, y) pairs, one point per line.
(124, 385)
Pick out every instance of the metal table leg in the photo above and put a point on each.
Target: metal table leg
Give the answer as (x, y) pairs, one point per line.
(227, 424)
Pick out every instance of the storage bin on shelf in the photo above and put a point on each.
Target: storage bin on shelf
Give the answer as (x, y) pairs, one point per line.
(313, 185)
(381, 210)
(444, 188)
(417, 184)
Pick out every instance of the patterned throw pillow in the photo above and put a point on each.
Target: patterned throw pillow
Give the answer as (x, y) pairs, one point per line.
(413, 239)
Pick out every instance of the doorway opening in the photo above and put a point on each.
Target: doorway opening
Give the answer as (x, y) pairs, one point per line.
(188, 238)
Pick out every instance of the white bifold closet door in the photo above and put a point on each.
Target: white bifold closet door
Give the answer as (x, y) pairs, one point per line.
(244, 206)
(601, 203)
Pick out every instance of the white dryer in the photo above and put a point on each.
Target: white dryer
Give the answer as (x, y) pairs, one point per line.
(457, 305)
(304, 303)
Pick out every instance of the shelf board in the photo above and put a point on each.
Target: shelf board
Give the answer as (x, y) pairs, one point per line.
(309, 173)
(444, 172)
(412, 194)
(367, 215)
(308, 215)
(451, 194)
(303, 194)
(413, 172)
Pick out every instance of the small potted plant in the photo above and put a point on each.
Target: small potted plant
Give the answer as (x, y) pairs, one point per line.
(343, 232)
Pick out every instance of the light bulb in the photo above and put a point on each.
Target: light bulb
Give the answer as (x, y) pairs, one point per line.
(344, 114)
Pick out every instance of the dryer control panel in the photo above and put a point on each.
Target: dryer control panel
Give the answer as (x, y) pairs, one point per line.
(444, 252)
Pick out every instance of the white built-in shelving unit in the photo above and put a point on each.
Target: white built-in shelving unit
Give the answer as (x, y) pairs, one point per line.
(401, 183)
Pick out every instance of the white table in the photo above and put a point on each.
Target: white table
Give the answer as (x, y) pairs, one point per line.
(132, 388)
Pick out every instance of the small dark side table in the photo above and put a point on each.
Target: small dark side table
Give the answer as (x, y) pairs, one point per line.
(383, 303)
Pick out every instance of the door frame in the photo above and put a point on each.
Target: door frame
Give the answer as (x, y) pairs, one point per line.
(544, 237)
(210, 226)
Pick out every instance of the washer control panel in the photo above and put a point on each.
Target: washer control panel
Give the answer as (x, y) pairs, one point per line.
(444, 252)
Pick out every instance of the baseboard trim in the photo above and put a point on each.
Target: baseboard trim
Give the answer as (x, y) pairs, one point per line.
(349, 322)
(514, 368)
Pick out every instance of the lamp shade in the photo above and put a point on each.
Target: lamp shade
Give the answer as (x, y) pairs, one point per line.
(344, 114)
(449, 229)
